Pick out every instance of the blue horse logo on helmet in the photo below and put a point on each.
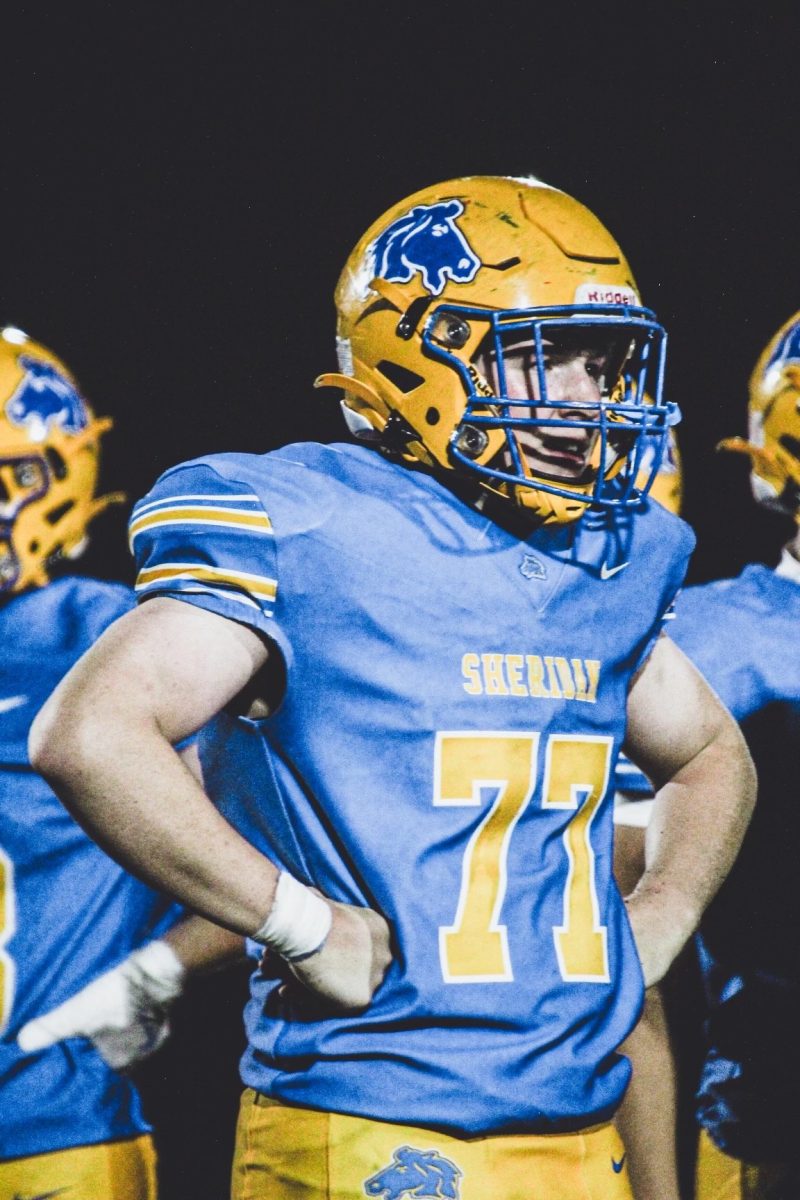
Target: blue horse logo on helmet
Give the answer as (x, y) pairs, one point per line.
(416, 1173)
(426, 240)
(43, 398)
(788, 348)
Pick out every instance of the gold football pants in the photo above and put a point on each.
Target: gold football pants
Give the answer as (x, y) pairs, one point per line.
(109, 1171)
(720, 1177)
(286, 1153)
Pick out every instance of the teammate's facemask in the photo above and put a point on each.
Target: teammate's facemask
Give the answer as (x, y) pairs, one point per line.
(774, 422)
(49, 446)
(491, 326)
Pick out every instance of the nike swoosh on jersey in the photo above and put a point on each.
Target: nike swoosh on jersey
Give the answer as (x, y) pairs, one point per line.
(617, 1166)
(606, 571)
(6, 705)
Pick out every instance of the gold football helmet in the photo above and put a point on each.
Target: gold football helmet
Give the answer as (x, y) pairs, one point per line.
(470, 317)
(774, 422)
(49, 446)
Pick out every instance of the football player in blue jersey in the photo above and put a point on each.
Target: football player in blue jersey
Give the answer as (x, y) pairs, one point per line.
(422, 651)
(742, 634)
(749, 946)
(90, 958)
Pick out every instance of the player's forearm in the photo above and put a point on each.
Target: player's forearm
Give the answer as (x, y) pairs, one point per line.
(126, 785)
(203, 946)
(699, 820)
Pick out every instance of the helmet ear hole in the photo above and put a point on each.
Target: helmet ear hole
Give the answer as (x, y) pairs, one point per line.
(55, 514)
(402, 378)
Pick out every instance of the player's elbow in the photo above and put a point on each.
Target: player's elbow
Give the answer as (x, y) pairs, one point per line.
(63, 738)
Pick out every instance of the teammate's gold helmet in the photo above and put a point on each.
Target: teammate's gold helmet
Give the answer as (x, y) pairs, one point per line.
(49, 445)
(774, 422)
(443, 298)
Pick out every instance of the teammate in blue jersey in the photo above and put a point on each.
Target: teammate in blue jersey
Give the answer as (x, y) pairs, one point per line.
(90, 958)
(424, 649)
(749, 943)
(742, 634)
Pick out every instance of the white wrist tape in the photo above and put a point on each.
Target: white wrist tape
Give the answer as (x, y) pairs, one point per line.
(298, 923)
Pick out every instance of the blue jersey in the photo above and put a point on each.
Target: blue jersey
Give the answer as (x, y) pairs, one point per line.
(454, 704)
(742, 634)
(67, 911)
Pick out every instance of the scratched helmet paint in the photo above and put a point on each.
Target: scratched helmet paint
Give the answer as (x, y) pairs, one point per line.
(439, 292)
(774, 422)
(49, 445)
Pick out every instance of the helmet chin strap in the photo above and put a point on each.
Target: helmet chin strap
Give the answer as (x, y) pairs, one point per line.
(549, 509)
(359, 406)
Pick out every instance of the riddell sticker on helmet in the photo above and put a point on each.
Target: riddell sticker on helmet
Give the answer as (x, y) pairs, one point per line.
(45, 398)
(426, 240)
(601, 293)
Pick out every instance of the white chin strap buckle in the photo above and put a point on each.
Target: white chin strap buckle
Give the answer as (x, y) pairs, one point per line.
(358, 425)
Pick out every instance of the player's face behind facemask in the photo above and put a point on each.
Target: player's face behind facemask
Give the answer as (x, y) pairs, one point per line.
(575, 372)
(774, 423)
(491, 327)
(49, 458)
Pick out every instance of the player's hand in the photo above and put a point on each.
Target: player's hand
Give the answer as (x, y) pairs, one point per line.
(352, 961)
(123, 1013)
(661, 928)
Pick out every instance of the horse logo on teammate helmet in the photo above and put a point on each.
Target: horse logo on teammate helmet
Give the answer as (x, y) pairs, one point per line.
(44, 397)
(426, 240)
(788, 348)
(415, 1173)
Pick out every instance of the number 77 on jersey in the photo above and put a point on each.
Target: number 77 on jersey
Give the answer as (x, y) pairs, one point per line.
(476, 948)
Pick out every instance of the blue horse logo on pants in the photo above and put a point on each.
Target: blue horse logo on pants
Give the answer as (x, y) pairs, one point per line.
(426, 240)
(43, 398)
(417, 1173)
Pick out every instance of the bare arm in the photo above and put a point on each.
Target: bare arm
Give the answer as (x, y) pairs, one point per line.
(686, 741)
(104, 740)
(202, 946)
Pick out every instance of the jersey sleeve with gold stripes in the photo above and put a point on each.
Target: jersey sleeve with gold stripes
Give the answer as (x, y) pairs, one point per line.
(202, 537)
